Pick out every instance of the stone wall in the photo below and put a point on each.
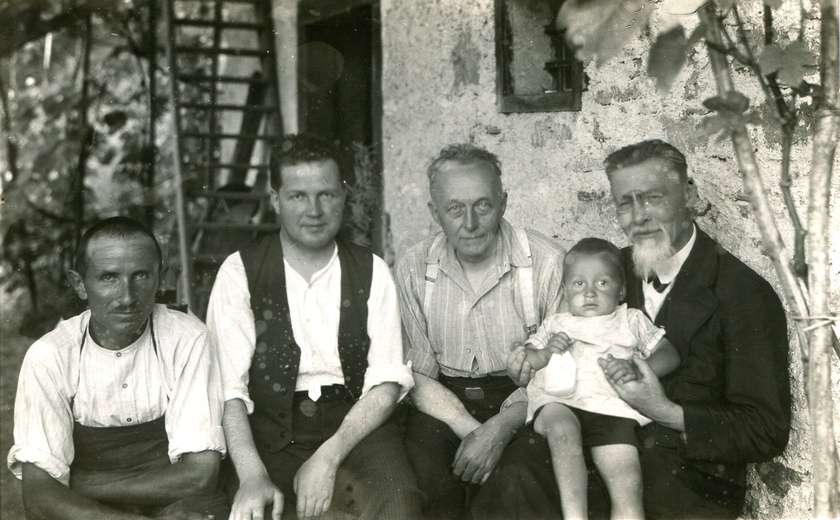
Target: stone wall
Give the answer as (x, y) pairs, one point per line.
(439, 87)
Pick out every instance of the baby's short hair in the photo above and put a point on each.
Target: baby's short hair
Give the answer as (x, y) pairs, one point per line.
(592, 246)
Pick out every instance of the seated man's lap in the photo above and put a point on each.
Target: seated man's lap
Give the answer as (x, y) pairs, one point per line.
(674, 488)
(431, 446)
(522, 485)
(375, 480)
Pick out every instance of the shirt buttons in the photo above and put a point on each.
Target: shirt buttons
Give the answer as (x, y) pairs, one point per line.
(125, 385)
(128, 420)
(119, 354)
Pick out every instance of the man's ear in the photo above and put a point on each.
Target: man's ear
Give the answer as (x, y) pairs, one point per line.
(622, 295)
(77, 281)
(503, 205)
(274, 198)
(433, 211)
(690, 193)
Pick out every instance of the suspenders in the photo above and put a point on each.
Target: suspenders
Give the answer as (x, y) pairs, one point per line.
(524, 275)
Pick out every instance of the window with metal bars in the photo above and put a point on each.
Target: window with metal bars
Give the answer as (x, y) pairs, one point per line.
(536, 71)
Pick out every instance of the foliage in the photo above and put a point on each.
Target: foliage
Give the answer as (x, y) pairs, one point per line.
(81, 133)
(363, 197)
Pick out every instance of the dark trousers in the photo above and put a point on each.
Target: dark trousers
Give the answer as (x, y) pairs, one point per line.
(675, 488)
(520, 487)
(374, 481)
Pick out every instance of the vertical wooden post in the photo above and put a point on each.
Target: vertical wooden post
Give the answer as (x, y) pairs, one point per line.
(284, 14)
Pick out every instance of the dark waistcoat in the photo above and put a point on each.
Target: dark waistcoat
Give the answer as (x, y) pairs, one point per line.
(274, 367)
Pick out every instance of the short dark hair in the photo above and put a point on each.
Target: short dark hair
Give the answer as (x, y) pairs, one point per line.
(112, 227)
(592, 246)
(304, 148)
(463, 153)
(651, 149)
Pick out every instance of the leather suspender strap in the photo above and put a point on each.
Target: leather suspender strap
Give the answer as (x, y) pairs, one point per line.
(524, 274)
(525, 277)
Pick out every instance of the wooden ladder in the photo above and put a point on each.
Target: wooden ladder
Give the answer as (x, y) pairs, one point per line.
(225, 106)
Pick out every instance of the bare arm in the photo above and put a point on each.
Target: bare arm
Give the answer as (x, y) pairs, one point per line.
(315, 480)
(46, 498)
(256, 491)
(196, 473)
(434, 399)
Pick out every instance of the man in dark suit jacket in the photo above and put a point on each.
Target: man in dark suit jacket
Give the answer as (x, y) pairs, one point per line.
(728, 403)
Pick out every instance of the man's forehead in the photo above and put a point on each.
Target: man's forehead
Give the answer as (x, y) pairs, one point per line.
(644, 176)
(112, 248)
(323, 171)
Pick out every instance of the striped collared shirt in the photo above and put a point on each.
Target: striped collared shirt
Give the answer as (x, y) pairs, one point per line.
(469, 332)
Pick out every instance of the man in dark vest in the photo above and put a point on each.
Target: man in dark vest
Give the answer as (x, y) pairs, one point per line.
(307, 331)
(118, 409)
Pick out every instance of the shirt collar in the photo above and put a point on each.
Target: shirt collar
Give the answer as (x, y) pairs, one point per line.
(320, 273)
(668, 272)
(509, 252)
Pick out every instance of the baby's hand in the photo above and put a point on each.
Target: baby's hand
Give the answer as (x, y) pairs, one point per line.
(620, 371)
(559, 343)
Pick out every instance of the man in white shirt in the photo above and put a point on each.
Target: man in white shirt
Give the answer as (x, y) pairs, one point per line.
(307, 330)
(118, 409)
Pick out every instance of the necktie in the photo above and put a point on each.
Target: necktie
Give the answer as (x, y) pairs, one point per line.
(658, 286)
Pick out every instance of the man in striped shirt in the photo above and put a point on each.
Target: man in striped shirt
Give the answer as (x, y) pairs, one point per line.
(466, 296)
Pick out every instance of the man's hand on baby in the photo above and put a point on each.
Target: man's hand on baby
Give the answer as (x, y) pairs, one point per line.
(518, 367)
(559, 343)
(619, 371)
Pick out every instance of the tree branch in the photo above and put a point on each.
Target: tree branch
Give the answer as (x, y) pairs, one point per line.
(754, 186)
(826, 465)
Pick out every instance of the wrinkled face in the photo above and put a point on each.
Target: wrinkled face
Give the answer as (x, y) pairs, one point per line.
(652, 208)
(592, 286)
(310, 203)
(119, 283)
(468, 203)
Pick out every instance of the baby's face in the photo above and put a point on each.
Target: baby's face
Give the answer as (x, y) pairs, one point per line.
(592, 287)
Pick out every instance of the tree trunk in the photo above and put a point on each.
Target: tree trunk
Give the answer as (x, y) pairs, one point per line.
(825, 461)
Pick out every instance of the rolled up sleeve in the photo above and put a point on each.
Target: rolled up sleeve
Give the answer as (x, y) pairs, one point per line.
(43, 431)
(194, 415)
(386, 363)
(230, 322)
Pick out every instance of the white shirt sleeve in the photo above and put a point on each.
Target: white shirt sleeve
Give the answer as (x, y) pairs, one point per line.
(233, 335)
(194, 414)
(43, 429)
(385, 355)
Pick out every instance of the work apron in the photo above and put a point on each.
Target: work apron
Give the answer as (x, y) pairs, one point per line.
(136, 448)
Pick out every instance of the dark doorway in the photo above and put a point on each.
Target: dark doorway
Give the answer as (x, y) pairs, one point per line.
(340, 78)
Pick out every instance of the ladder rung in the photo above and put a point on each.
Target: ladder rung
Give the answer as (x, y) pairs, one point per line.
(226, 1)
(220, 79)
(190, 22)
(243, 137)
(230, 195)
(219, 226)
(222, 106)
(233, 51)
(232, 166)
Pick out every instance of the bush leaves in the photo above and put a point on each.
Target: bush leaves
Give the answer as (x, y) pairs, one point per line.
(791, 63)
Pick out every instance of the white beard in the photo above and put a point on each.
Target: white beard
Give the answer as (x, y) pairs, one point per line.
(650, 256)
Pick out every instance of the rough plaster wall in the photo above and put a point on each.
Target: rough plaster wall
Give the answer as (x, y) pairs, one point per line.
(439, 87)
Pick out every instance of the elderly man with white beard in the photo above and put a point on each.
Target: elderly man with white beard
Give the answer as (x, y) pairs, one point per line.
(728, 403)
